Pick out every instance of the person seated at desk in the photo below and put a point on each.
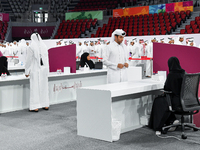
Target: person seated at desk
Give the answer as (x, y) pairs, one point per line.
(160, 114)
(4, 65)
(85, 60)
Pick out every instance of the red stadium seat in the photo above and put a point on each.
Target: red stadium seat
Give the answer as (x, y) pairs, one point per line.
(187, 27)
(192, 23)
(189, 31)
(196, 31)
(182, 31)
(163, 32)
(157, 32)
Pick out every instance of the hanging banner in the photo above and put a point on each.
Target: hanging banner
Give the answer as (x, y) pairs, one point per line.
(4, 17)
(84, 15)
(23, 32)
(152, 9)
(181, 6)
(157, 9)
(131, 11)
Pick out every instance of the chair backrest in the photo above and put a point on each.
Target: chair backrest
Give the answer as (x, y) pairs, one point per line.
(189, 92)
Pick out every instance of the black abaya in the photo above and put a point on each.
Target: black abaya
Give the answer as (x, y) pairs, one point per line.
(160, 114)
(4, 65)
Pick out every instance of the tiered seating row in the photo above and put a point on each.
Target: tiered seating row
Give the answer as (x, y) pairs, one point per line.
(74, 28)
(148, 24)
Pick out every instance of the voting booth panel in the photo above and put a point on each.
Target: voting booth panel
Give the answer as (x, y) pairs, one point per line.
(187, 55)
(64, 56)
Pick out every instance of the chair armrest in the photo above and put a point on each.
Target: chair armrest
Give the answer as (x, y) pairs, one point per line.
(168, 98)
(167, 92)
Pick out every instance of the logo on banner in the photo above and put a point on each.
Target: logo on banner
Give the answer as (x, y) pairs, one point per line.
(42, 31)
(1, 17)
(63, 86)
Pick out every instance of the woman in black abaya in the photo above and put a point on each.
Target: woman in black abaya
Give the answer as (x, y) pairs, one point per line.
(4, 65)
(160, 114)
(85, 60)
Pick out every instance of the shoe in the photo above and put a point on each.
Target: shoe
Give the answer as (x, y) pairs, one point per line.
(45, 108)
(173, 128)
(36, 110)
(158, 133)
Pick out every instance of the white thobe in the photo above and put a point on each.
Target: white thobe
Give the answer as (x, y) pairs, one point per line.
(15, 50)
(100, 50)
(135, 53)
(92, 51)
(85, 49)
(3, 50)
(22, 53)
(149, 53)
(178, 43)
(116, 54)
(39, 92)
(79, 51)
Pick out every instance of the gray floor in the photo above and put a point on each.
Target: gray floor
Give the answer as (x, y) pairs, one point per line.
(56, 130)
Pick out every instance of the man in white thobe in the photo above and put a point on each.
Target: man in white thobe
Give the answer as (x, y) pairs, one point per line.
(134, 50)
(22, 51)
(116, 58)
(37, 66)
(79, 49)
(15, 48)
(101, 49)
(92, 50)
(85, 47)
(162, 40)
(149, 54)
(3, 49)
(179, 40)
(171, 40)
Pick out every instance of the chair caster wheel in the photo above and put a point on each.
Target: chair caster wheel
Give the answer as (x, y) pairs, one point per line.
(184, 136)
(195, 129)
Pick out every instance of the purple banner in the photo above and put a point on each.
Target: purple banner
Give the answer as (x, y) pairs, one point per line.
(188, 3)
(4, 17)
(22, 32)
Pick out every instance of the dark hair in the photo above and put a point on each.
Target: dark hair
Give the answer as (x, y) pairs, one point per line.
(116, 35)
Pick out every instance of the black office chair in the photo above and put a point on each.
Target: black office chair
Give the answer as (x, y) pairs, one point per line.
(189, 101)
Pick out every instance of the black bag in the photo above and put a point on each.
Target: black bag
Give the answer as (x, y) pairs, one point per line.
(98, 65)
(77, 65)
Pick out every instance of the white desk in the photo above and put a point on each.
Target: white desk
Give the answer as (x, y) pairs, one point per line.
(16, 70)
(97, 105)
(15, 90)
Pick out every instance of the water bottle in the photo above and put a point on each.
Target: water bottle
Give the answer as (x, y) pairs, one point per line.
(2, 76)
(5, 76)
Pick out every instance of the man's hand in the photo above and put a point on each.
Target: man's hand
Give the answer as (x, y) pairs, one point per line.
(120, 66)
(126, 65)
(27, 76)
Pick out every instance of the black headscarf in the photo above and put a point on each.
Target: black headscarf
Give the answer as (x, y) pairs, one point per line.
(85, 61)
(4, 65)
(174, 82)
(174, 65)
